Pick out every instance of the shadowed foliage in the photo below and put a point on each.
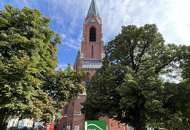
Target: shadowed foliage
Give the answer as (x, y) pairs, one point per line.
(131, 86)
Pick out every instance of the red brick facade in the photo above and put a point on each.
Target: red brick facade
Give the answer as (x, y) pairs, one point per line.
(72, 118)
(90, 56)
(115, 125)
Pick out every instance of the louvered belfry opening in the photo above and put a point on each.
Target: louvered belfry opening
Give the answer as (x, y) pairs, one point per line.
(92, 34)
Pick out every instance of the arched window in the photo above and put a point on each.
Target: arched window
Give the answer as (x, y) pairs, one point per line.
(92, 34)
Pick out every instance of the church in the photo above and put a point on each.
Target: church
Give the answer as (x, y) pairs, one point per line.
(91, 53)
(89, 59)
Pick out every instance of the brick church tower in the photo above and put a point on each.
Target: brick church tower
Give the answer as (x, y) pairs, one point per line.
(90, 56)
(88, 59)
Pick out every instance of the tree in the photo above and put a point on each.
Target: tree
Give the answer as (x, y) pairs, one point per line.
(185, 109)
(64, 85)
(129, 86)
(179, 102)
(186, 64)
(27, 61)
(177, 95)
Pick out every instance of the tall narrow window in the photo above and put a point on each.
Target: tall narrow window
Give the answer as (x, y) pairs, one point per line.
(92, 34)
(92, 51)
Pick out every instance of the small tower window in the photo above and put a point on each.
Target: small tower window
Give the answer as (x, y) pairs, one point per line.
(92, 34)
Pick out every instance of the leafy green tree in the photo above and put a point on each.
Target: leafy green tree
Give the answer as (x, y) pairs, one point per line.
(64, 85)
(186, 64)
(176, 105)
(27, 61)
(129, 86)
(185, 109)
(177, 95)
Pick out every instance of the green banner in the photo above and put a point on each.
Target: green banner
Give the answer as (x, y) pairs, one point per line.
(95, 125)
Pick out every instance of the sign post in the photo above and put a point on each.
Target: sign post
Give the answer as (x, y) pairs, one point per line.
(95, 125)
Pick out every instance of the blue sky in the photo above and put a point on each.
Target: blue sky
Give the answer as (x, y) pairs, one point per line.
(171, 16)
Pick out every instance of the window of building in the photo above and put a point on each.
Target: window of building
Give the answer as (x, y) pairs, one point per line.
(76, 127)
(92, 34)
(68, 127)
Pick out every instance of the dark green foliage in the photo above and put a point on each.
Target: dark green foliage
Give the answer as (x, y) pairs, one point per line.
(129, 86)
(177, 101)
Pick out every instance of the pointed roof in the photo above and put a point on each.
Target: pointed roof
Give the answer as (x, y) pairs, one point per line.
(93, 11)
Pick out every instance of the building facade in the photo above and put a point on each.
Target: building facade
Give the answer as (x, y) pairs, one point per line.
(89, 59)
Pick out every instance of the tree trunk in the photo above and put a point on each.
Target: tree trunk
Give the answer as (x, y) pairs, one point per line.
(138, 122)
(3, 119)
(138, 125)
(139, 118)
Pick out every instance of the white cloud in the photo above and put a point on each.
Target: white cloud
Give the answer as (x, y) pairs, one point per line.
(179, 11)
(72, 43)
(61, 67)
(63, 36)
(171, 17)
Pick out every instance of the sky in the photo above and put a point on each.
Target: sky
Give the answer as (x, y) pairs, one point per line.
(67, 16)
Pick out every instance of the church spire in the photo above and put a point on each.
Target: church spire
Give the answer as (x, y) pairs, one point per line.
(93, 11)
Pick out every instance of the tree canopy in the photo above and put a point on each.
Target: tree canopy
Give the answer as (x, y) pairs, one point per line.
(28, 62)
(131, 86)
